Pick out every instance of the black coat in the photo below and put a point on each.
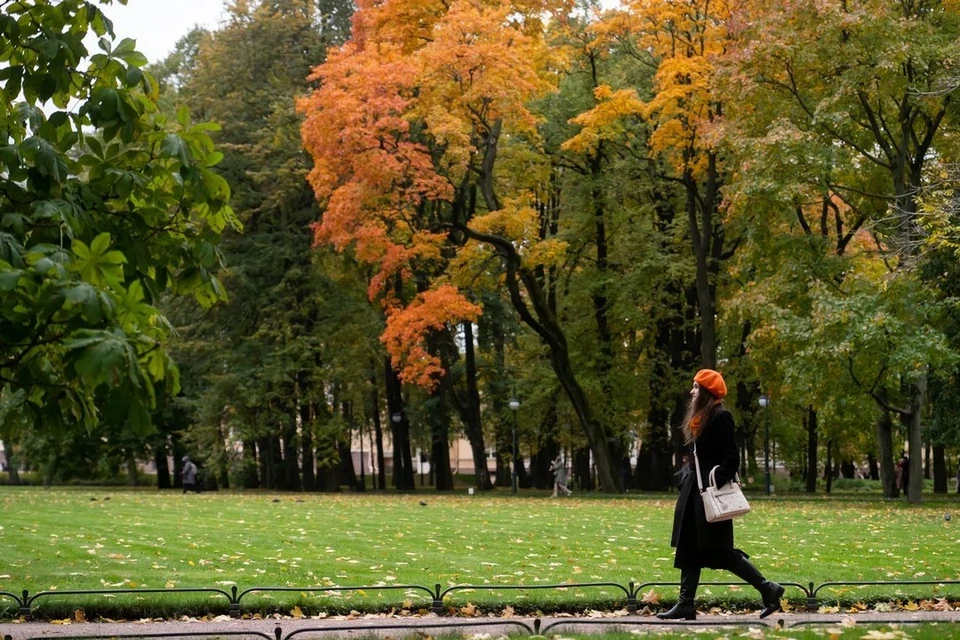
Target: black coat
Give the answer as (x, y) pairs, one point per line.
(715, 446)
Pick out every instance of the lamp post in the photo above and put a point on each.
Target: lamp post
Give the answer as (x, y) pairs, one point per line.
(765, 404)
(514, 404)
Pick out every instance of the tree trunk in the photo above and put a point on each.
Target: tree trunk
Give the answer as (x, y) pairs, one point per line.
(178, 452)
(914, 434)
(264, 471)
(326, 449)
(581, 469)
(888, 478)
(847, 469)
(706, 236)
(378, 432)
(291, 456)
(163, 467)
(402, 459)
(439, 420)
(939, 469)
(130, 462)
(812, 426)
(828, 468)
(545, 324)
(306, 449)
(873, 467)
(474, 424)
(497, 391)
(348, 473)
(249, 479)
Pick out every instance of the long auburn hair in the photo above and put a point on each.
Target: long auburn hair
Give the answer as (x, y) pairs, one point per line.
(698, 414)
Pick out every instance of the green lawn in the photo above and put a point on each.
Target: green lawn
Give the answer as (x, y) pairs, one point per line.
(98, 539)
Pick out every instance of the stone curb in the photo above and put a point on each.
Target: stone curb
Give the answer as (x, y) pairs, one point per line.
(400, 627)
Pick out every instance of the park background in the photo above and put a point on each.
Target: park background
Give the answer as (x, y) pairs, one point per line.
(516, 228)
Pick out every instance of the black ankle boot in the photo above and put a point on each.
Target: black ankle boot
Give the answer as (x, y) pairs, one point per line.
(770, 592)
(685, 609)
(680, 611)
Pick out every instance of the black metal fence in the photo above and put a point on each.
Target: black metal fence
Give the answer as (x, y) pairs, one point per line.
(26, 601)
(535, 627)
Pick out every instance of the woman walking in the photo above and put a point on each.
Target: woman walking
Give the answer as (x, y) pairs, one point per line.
(709, 427)
(559, 477)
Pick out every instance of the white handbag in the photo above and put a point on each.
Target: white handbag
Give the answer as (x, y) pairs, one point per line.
(721, 503)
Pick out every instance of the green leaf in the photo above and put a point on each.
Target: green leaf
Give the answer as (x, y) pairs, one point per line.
(134, 76)
(9, 279)
(213, 159)
(125, 47)
(101, 243)
(10, 156)
(174, 146)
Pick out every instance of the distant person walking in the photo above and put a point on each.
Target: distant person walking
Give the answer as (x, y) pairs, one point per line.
(904, 475)
(559, 477)
(699, 544)
(189, 475)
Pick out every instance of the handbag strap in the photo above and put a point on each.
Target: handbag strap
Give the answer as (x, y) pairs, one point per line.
(696, 463)
(713, 472)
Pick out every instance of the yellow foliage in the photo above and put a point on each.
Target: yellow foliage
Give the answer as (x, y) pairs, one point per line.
(515, 219)
(606, 120)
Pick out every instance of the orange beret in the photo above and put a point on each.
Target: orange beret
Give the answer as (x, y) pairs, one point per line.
(712, 381)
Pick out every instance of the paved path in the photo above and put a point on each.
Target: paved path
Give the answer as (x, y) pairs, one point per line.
(274, 629)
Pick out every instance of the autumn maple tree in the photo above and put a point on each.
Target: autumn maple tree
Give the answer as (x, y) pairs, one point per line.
(406, 131)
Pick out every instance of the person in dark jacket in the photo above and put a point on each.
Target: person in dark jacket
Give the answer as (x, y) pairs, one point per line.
(709, 426)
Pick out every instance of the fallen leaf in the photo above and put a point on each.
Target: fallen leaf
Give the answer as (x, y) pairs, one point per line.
(651, 597)
(469, 610)
(79, 615)
(508, 612)
(296, 612)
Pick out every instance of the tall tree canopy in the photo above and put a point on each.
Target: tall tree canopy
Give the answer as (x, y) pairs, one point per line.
(104, 205)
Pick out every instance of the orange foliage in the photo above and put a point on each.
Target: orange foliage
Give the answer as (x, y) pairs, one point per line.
(408, 326)
(400, 116)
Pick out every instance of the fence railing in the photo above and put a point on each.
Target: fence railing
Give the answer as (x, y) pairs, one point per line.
(536, 628)
(26, 601)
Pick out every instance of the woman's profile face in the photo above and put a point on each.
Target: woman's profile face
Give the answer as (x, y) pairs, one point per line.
(695, 391)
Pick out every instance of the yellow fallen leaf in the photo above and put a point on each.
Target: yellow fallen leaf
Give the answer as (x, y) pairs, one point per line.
(469, 610)
(296, 612)
(508, 612)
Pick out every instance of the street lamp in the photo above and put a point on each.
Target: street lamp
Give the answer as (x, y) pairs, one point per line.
(765, 404)
(514, 404)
